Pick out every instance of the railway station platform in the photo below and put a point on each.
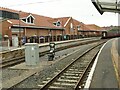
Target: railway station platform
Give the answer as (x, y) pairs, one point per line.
(106, 70)
(43, 65)
(7, 49)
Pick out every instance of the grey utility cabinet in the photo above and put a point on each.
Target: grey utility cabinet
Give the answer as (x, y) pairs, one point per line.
(31, 54)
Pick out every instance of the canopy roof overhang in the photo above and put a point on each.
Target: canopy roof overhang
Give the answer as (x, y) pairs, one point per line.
(107, 5)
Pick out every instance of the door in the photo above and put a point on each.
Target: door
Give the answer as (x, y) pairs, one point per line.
(15, 41)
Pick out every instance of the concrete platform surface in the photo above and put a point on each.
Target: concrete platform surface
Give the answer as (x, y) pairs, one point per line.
(105, 73)
(7, 49)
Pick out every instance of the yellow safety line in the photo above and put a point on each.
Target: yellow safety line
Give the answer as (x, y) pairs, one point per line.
(115, 56)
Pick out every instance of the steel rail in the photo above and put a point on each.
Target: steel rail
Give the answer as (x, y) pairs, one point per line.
(30, 76)
(86, 69)
(50, 82)
(10, 62)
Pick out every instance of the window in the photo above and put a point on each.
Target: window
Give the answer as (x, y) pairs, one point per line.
(29, 19)
(9, 15)
(71, 27)
(78, 27)
(54, 23)
(58, 23)
(32, 20)
(24, 20)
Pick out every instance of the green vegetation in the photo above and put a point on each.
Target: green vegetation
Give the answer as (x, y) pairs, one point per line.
(114, 29)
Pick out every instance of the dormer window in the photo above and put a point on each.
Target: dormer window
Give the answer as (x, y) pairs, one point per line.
(29, 19)
(58, 23)
(24, 20)
(78, 27)
(54, 23)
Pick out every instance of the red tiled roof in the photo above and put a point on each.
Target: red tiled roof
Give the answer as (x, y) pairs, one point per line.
(75, 22)
(63, 20)
(82, 25)
(40, 21)
(10, 10)
(94, 27)
(43, 21)
(106, 28)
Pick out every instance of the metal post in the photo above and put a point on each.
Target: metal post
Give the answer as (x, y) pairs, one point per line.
(50, 35)
(51, 54)
(19, 31)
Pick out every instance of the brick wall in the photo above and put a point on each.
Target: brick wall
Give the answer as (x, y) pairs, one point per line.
(42, 32)
(6, 30)
(68, 30)
(38, 32)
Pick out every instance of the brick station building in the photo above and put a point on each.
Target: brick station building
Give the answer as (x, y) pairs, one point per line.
(18, 24)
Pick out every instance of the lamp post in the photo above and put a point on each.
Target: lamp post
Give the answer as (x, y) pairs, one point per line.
(50, 35)
(19, 31)
(78, 30)
(82, 29)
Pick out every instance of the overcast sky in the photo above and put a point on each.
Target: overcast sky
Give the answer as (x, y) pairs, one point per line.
(82, 10)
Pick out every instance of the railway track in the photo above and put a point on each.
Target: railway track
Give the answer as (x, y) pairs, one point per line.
(68, 78)
(17, 60)
(74, 75)
(10, 62)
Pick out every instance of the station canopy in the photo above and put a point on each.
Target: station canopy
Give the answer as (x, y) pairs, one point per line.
(107, 5)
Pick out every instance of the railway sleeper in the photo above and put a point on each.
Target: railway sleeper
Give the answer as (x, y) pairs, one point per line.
(59, 88)
(62, 87)
(63, 84)
(59, 84)
(66, 80)
(70, 77)
(74, 72)
(71, 74)
(53, 87)
(79, 66)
